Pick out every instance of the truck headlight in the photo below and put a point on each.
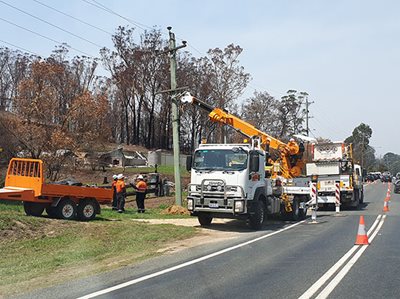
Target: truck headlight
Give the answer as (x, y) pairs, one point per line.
(190, 204)
(239, 206)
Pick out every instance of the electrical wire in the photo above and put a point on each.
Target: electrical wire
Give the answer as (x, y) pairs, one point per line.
(103, 7)
(46, 37)
(51, 24)
(72, 17)
(18, 47)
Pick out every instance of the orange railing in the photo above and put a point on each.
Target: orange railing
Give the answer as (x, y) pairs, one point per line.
(25, 173)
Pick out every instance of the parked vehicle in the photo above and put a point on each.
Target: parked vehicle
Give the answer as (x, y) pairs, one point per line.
(333, 162)
(66, 200)
(230, 180)
(386, 177)
(397, 187)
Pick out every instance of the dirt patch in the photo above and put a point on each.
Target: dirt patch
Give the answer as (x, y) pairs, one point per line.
(204, 236)
(175, 210)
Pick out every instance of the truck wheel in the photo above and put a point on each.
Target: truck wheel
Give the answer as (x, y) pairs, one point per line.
(256, 219)
(204, 219)
(356, 203)
(86, 210)
(51, 211)
(33, 208)
(297, 213)
(361, 196)
(66, 209)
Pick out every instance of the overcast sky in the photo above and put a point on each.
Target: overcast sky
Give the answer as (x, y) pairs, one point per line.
(344, 54)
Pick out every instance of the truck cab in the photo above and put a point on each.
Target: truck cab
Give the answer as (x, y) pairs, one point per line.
(228, 181)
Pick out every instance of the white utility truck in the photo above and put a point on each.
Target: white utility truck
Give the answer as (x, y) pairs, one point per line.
(333, 162)
(228, 181)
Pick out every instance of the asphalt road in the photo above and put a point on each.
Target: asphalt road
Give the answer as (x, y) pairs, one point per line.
(284, 260)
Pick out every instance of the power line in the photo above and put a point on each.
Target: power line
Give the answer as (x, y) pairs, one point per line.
(103, 7)
(55, 26)
(72, 17)
(46, 37)
(144, 26)
(15, 46)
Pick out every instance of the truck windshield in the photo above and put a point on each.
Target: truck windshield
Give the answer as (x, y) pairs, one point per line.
(224, 159)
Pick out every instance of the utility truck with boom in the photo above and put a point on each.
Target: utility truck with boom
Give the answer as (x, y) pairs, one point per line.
(333, 162)
(230, 181)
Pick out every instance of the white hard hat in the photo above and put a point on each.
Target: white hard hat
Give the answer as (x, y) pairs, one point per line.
(120, 176)
(140, 177)
(115, 176)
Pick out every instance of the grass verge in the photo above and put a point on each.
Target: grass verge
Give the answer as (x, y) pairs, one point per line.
(39, 251)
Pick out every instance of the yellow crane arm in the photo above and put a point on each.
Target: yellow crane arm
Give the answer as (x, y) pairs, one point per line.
(287, 151)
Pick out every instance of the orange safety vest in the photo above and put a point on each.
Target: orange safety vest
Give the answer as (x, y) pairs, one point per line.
(120, 186)
(141, 186)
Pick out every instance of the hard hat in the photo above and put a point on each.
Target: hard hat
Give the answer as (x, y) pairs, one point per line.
(115, 177)
(120, 176)
(291, 140)
(140, 177)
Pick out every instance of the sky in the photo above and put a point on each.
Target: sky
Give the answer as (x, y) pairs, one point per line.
(344, 54)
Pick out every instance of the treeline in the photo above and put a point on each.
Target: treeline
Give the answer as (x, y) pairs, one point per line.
(58, 103)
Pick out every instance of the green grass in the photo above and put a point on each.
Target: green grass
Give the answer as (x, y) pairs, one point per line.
(49, 251)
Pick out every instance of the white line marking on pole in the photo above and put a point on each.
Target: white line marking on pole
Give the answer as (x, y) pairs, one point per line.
(200, 259)
(338, 278)
(328, 274)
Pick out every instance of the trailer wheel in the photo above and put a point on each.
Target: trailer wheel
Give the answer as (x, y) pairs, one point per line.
(33, 208)
(257, 218)
(204, 219)
(51, 211)
(87, 209)
(66, 209)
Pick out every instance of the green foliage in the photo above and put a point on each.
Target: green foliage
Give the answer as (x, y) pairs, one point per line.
(363, 153)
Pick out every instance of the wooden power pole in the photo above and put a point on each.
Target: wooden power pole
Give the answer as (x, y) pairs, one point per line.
(175, 115)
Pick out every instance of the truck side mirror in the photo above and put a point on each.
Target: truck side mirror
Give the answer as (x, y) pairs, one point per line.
(254, 162)
(188, 163)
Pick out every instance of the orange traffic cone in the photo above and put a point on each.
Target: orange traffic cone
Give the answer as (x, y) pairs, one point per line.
(386, 206)
(362, 238)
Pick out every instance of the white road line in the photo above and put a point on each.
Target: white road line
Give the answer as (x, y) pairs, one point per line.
(338, 278)
(200, 259)
(324, 278)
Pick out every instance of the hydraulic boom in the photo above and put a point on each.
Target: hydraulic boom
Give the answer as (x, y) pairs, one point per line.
(290, 160)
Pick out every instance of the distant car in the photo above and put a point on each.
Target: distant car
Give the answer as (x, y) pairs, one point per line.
(397, 187)
(386, 177)
(370, 177)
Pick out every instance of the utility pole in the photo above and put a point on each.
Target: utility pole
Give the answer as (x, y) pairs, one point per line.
(307, 114)
(175, 114)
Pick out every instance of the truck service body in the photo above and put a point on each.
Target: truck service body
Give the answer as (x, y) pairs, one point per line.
(333, 162)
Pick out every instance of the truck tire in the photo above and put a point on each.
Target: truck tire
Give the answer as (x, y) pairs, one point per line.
(256, 219)
(66, 209)
(362, 195)
(204, 219)
(297, 214)
(355, 205)
(33, 208)
(86, 209)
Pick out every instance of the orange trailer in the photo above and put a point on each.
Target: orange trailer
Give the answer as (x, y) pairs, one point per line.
(25, 182)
